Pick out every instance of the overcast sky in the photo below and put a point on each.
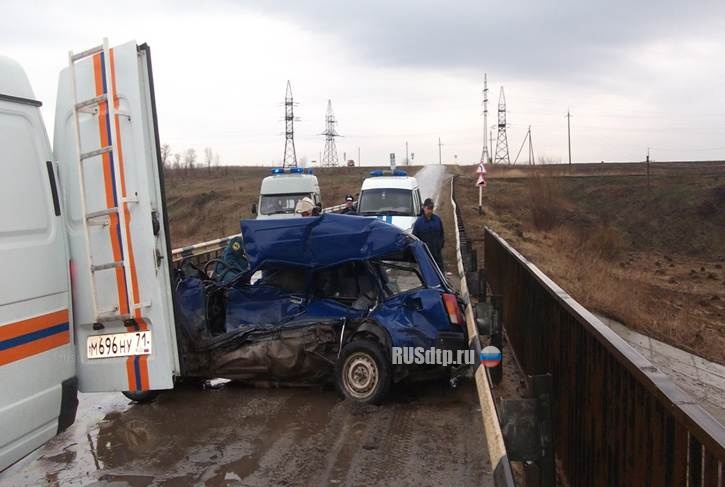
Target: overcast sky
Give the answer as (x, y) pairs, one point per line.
(635, 74)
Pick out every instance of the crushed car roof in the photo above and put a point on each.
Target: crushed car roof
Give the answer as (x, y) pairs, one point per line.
(321, 241)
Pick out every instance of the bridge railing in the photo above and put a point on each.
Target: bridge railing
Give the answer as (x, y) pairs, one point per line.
(617, 420)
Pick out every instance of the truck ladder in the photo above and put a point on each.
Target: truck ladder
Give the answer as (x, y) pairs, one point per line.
(91, 156)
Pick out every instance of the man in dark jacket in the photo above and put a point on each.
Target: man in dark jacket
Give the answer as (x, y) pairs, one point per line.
(429, 228)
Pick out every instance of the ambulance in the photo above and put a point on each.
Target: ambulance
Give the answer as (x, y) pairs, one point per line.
(86, 301)
(280, 192)
(391, 196)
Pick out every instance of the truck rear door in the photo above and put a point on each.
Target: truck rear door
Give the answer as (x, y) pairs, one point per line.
(106, 142)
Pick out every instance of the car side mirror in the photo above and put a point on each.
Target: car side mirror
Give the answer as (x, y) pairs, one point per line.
(254, 208)
(415, 304)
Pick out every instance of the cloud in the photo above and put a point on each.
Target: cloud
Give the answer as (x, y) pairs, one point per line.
(535, 38)
(635, 74)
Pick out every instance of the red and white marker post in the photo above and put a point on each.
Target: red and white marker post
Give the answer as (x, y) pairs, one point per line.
(481, 183)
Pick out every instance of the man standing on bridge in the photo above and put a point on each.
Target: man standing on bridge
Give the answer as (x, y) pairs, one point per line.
(429, 228)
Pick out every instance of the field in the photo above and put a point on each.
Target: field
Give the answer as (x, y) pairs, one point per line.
(204, 205)
(646, 251)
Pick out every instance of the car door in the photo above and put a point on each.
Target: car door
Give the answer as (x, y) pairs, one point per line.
(412, 314)
(124, 323)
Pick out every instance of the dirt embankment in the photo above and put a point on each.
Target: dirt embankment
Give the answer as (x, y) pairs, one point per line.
(648, 252)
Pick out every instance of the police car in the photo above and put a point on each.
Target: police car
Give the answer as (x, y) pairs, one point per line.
(391, 196)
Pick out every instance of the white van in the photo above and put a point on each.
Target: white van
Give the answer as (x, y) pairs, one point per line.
(281, 191)
(83, 238)
(392, 196)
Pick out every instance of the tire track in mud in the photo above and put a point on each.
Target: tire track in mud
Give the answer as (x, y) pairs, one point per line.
(396, 447)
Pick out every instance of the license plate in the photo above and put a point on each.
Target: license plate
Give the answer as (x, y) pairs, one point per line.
(119, 345)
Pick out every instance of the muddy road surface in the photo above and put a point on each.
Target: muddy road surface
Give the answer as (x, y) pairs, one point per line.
(426, 434)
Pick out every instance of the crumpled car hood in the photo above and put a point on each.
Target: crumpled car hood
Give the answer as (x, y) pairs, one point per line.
(322, 241)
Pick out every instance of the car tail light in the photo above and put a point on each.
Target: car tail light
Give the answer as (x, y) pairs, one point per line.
(454, 312)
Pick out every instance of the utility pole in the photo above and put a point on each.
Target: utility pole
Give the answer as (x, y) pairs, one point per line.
(647, 170)
(568, 131)
(359, 162)
(407, 161)
(531, 148)
(440, 151)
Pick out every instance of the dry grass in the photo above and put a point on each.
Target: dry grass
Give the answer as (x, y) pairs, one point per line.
(648, 255)
(545, 199)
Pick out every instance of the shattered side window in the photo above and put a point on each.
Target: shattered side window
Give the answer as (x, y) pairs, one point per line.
(346, 283)
(288, 279)
(399, 277)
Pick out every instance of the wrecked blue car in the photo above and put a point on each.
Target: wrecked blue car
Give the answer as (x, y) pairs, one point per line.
(316, 299)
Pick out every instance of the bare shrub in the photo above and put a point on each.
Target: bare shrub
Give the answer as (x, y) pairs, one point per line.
(546, 200)
(604, 241)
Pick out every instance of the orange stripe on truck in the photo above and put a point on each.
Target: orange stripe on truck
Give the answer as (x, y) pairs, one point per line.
(32, 336)
(108, 179)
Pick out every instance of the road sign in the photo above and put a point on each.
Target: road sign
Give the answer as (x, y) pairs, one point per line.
(481, 169)
(481, 181)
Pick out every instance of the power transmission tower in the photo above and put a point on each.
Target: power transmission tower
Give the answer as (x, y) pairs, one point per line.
(329, 156)
(290, 155)
(568, 131)
(531, 148)
(502, 143)
(485, 156)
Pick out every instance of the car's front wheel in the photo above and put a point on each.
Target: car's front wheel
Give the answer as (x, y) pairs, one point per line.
(363, 373)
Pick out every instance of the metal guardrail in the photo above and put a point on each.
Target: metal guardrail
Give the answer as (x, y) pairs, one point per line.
(213, 248)
(502, 473)
(617, 420)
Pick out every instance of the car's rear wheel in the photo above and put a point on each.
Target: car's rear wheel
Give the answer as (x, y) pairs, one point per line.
(141, 396)
(362, 373)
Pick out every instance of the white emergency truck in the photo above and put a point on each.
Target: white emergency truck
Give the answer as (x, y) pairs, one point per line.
(86, 299)
(281, 191)
(392, 196)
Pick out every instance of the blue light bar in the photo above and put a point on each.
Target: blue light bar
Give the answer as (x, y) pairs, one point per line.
(399, 172)
(278, 170)
(297, 170)
(377, 172)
